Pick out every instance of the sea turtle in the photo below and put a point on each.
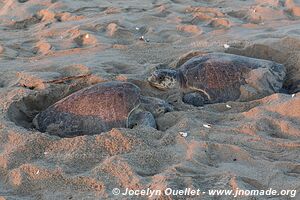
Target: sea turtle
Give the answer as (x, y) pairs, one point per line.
(100, 108)
(221, 77)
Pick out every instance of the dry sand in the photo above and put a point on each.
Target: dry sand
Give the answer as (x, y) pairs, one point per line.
(252, 145)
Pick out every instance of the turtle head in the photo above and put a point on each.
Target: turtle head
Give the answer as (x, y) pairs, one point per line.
(156, 106)
(164, 79)
(141, 119)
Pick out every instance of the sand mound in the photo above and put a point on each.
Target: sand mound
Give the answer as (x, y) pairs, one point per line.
(240, 140)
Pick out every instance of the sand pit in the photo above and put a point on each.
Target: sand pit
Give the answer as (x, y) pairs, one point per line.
(52, 48)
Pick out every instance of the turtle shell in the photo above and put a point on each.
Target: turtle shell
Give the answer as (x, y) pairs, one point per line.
(219, 75)
(92, 110)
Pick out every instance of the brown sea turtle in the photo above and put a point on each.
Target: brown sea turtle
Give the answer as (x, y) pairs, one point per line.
(99, 108)
(221, 77)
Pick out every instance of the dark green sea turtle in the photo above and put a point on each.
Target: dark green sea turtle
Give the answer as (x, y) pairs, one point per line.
(99, 108)
(221, 77)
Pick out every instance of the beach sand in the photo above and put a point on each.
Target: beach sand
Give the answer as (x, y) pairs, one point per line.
(51, 48)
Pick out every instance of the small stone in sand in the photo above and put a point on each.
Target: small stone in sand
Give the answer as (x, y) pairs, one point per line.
(293, 95)
(228, 106)
(226, 46)
(207, 125)
(37, 172)
(183, 134)
(144, 39)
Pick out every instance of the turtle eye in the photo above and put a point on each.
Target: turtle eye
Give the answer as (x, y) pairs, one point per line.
(159, 110)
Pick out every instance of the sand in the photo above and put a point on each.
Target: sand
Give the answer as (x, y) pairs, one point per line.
(51, 48)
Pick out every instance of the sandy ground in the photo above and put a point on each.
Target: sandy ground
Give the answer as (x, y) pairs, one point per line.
(249, 145)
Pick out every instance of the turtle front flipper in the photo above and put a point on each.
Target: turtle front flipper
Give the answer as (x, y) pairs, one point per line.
(139, 118)
(196, 99)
